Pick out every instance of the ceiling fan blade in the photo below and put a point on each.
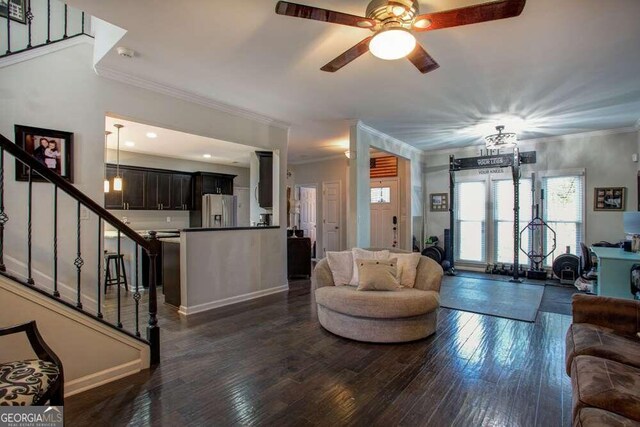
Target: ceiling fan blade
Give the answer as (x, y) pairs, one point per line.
(348, 56)
(484, 12)
(310, 12)
(422, 60)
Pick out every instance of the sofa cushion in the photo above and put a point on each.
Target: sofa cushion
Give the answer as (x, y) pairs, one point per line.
(341, 265)
(365, 254)
(407, 268)
(378, 275)
(604, 384)
(593, 417)
(592, 340)
(23, 382)
(382, 305)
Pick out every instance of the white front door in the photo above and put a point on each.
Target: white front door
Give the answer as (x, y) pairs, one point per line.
(331, 198)
(385, 224)
(243, 194)
(308, 212)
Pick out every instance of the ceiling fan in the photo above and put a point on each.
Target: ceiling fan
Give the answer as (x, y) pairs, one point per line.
(392, 22)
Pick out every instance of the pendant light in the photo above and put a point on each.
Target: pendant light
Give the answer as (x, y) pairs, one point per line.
(117, 181)
(106, 143)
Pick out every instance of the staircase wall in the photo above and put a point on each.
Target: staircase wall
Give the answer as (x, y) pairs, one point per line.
(92, 353)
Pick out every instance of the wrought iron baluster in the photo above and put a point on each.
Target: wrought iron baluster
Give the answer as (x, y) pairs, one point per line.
(66, 18)
(8, 28)
(29, 17)
(153, 331)
(83, 23)
(55, 241)
(118, 281)
(79, 262)
(99, 267)
(30, 202)
(3, 216)
(48, 21)
(136, 294)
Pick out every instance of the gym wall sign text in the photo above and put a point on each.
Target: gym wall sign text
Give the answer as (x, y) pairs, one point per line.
(495, 161)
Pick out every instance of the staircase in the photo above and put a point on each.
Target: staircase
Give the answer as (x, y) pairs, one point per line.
(66, 284)
(38, 23)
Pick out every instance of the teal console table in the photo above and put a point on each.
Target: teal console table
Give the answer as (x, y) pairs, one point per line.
(614, 267)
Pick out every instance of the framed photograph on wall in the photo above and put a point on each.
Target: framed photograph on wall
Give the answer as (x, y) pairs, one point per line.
(52, 148)
(609, 198)
(17, 10)
(439, 202)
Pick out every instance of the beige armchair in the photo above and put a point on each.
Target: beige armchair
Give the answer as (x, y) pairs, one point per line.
(375, 316)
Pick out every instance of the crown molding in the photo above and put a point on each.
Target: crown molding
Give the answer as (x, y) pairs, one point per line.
(184, 95)
(46, 49)
(362, 126)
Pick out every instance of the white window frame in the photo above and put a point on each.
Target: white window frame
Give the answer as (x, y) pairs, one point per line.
(487, 222)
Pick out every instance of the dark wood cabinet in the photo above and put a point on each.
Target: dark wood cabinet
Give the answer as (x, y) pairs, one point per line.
(132, 188)
(158, 194)
(265, 183)
(181, 192)
(207, 183)
(298, 256)
(171, 273)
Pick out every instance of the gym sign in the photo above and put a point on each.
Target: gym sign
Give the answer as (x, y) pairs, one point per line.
(495, 161)
(31, 416)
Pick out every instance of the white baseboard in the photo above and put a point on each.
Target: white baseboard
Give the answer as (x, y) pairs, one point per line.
(99, 378)
(199, 308)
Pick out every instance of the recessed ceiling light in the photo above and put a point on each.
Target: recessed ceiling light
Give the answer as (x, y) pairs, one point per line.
(152, 135)
(129, 143)
(206, 156)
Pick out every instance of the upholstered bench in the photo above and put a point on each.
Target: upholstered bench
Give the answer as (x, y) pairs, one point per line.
(402, 315)
(32, 381)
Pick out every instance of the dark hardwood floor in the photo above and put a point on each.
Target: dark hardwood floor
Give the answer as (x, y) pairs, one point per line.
(269, 362)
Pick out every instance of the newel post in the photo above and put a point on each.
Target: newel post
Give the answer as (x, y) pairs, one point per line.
(153, 331)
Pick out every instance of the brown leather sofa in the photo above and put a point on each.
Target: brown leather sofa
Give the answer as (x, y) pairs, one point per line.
(603, 360)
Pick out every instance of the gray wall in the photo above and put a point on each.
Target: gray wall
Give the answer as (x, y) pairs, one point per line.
(333, 169)
(605, 157)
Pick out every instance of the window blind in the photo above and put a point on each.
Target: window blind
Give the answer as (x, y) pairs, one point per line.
(503, 219)
(564, 213)
(470, 212)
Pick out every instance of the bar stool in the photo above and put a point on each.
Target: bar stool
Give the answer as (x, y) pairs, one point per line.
(120, 278)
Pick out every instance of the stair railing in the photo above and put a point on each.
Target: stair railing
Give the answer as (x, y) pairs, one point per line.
(25, 28)
(151, 246)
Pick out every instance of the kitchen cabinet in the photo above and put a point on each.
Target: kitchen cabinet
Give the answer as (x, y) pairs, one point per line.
(298, 256)
(181, 191)
(171, 272)
(132, 188)
(208, 183)
(158, 190)
(264, 192)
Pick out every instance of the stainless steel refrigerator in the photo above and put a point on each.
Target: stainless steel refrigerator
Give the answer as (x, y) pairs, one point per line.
(219, 210)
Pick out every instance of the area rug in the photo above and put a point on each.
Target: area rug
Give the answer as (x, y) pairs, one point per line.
(516, 301)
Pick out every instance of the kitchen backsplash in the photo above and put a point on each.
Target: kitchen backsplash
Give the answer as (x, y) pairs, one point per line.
(153, 220)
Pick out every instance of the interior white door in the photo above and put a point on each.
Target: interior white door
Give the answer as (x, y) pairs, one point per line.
(244, 213)
(384, 209)
(331, 197)
(308, 212)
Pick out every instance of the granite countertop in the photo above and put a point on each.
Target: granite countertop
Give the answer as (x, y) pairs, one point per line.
(160, 233)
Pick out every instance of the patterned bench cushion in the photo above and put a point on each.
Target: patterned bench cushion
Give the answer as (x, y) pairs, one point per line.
(23, 382)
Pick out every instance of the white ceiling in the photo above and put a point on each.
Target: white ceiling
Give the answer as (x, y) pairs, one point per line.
(563, 66)
(174, 144)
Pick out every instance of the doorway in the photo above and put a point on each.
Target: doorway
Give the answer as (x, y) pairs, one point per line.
(244, 212)
(307, 196)
(331, 214)
(385, 213)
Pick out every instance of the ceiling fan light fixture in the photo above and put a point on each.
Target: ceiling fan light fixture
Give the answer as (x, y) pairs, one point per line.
(422, 23)
(398, 10)
(500, 139)
(392, 43)
(364, 24)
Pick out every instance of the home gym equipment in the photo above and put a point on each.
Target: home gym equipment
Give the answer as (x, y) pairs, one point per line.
(491, 161)
(537, 226)
(566, 267)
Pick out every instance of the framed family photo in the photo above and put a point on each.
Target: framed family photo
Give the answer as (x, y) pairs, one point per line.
(439, 202)
(52, 148)
(609, 198)
(16, 9)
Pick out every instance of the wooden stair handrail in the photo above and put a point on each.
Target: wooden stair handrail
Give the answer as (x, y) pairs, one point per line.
(72, 191)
